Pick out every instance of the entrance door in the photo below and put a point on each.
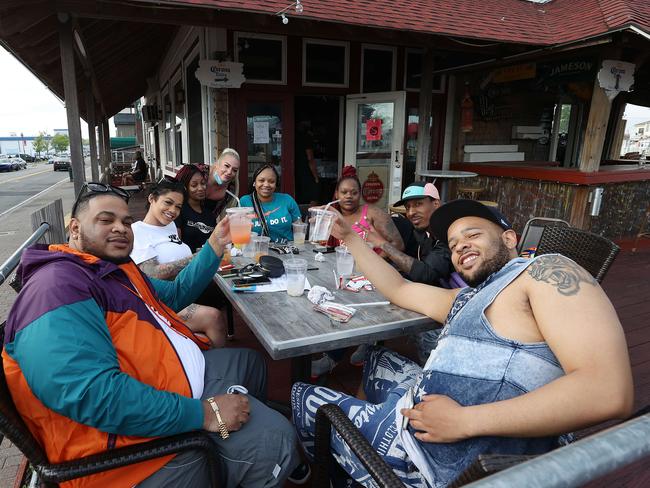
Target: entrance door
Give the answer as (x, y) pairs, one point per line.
(374, 138)
(263, 134)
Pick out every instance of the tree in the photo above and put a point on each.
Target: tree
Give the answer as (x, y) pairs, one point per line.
(60, 142)
(41, 143)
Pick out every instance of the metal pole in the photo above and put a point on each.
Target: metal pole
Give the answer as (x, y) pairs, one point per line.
(71, 100)
(92, 136)
(580, 462)
(107, 144)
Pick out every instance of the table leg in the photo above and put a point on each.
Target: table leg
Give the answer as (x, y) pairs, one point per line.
(301, 368)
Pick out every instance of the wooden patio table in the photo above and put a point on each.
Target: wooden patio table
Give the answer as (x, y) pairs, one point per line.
(289, 327)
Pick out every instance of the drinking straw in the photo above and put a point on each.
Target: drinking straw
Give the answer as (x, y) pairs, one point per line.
(331, 203)
(319, 217)
(368, 304)
(336, 280)
(235, 197)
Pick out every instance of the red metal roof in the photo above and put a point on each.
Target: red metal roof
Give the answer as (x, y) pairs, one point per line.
(514, 21)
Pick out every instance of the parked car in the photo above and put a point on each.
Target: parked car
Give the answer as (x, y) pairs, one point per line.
(20, 163)
(61, 164)
(27, 157)
(7, 164)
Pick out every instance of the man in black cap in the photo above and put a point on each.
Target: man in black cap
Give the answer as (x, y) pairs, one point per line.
(428, 259)
(531, 349)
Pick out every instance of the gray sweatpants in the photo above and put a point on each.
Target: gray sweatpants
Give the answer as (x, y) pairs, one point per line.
(261, 454)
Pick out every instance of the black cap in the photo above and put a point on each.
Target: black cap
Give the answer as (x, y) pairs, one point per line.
(450, 212)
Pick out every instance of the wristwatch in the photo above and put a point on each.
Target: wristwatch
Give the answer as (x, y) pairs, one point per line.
(223, 430)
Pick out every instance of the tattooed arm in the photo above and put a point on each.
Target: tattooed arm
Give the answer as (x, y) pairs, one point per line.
(579, 324)
(402, 261)
(167, 271)
(383, 224)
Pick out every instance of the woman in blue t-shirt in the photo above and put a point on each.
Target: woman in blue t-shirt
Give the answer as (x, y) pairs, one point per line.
(275, 211)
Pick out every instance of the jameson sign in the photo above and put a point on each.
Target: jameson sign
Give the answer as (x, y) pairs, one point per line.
(572, 69)
(218, 74)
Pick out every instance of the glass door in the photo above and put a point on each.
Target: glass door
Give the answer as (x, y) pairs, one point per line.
(374, 138)
(262, 134)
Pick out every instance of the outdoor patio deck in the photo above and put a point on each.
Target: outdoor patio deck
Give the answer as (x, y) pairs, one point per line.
(628, 286)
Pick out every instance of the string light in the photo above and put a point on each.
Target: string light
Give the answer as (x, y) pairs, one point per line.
(298, 7)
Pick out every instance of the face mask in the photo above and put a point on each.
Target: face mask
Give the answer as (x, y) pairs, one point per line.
(217, 178)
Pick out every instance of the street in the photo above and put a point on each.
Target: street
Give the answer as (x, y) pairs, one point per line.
(22, 193)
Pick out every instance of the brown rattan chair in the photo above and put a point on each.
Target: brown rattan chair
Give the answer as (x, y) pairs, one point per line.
(593, 252)
(13, 427)
(328, 416)
(533, 229)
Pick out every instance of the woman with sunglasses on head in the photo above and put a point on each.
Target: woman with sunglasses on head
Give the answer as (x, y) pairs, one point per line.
(275, 211)
(223, 183)
(160, 253)
(195, 222)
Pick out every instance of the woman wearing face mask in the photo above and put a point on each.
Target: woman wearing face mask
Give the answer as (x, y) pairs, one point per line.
(275, 211)
(195, 222)
(223, 178)
(160, 253)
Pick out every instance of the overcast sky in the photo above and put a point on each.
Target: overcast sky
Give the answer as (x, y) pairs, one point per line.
(26, 105)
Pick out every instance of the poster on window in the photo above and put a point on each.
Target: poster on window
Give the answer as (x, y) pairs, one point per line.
(373, 130)
(374, 178)
(261, 132)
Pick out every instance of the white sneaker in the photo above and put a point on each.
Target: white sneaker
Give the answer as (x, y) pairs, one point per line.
(359, 355)
(322, 366)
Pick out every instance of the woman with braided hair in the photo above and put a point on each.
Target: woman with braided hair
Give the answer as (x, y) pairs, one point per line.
(195, 222)
(363, 219)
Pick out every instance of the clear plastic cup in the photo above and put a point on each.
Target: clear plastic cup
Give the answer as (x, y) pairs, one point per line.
(344, 261)
(260, 245)
(240, 224)
(248, 250)
(296, 271)
(320, 225)
(299, 232)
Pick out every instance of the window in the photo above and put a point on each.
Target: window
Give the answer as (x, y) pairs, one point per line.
(640, 132)
(378, 68)
(325, 63)
(413, 72)
(194, 114)
(263, 56)
(167, 118)
(179, 115)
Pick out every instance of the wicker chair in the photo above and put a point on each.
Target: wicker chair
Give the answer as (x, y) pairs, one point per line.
(591, 251)
(13, 427)
(533, 229)
(331, 415)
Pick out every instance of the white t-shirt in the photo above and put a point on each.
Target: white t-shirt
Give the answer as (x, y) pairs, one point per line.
(154, 241)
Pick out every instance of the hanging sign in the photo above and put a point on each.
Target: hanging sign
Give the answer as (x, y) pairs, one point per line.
(220, 74)
(615, 77)
(373, 130)
(372, 189)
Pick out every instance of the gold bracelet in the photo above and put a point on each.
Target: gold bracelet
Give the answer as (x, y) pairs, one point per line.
(223, 430)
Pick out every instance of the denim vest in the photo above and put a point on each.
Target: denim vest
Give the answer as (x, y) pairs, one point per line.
(474, 365)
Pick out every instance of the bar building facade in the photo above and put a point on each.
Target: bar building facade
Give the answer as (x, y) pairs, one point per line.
(507, 89)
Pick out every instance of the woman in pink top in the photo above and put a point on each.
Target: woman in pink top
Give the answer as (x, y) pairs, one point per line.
(363, 218)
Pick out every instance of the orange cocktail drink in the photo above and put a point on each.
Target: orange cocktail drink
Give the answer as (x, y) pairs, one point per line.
(240, 224)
